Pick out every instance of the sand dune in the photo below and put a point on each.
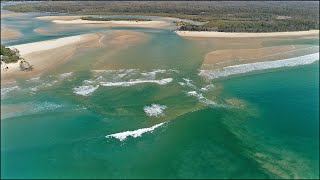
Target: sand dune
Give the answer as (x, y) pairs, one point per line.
(238, 35)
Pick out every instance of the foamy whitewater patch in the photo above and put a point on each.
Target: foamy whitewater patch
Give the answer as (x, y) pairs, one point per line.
(207, 87)
(244, 68)
(44, 85)
(66, 75)
(85, 90)
(188, 82)
(4, 91)
(137, 81)
(200, 97)
(45, 106)
(136, 133)
(155, 110)
(34, 79)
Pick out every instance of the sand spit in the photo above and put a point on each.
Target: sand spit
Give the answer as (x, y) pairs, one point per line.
(208, 34)
(77, 20)
(226, 57)
(45, 55)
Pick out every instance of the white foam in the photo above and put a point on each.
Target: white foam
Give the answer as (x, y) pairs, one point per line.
(4, 91)
(65, 75)
(43, 85)
(154, 110)
(46, 106)
(244, 68)
(34, 79)
(136, 133)
(200, 97)
(85, 90)
(207, 87)
(137, 81)
(189, 82)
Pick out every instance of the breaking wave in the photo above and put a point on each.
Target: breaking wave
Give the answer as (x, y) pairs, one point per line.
(136, 133)
(137, 81)
(154, 110)
(123, 78)
(4, 91)
(244, 68)
(85, 90)
(200, 97)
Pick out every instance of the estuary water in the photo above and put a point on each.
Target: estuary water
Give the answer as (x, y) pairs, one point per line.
(153, 114)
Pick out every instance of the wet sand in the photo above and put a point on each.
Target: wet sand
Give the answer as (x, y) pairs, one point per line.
(47, 55)
(8, 33)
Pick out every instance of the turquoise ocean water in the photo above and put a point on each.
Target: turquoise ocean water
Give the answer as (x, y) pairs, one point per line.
(263, 124)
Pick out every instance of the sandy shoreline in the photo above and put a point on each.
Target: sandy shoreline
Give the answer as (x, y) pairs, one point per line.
(237, 35)
(77, 20)
(46, 45)
(45, 55)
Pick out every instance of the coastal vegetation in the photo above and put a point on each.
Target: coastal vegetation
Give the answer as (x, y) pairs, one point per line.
(254, 16)
(90, 18)
(9, 55)
(182, 23)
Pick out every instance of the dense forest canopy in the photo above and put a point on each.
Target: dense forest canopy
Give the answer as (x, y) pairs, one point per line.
(229, 16)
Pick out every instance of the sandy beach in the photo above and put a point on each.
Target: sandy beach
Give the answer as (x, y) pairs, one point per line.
(45, 55)
(77, 20)
(208, 34)
(8, 33)
(50, 44)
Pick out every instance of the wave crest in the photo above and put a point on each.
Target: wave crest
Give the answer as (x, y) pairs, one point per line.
(136, 133)
(244, 68)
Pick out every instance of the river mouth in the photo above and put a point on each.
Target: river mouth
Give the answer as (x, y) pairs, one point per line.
(134, 103)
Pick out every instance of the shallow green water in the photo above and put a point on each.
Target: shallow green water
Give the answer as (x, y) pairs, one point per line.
(259, 125)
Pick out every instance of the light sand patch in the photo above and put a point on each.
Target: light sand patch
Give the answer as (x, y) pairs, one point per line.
(77, 20)
(122, 37)
(8, 33)
(51, 18)
(11, 14)
(45, 55)
(51, 44)
(227, 57)
(118, 40)
(150, 24)
(208, 34)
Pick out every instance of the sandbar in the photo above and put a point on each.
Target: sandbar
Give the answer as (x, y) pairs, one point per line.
(8, 33)
(227, 57)
(208, 34)
(77, 20)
